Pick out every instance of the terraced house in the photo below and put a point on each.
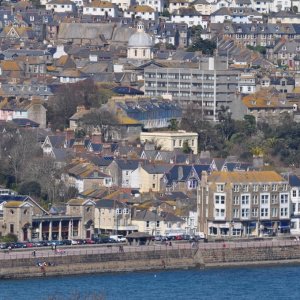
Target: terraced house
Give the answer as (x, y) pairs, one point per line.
(253, 203)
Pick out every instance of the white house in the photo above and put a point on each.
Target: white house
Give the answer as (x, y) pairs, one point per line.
(295, 201)
(61, 6)
(178, 4)
(143, 12)
(247, 83)
(157, 5)
(203, 7)
(123, 4)
(100, 8)
(190, 17)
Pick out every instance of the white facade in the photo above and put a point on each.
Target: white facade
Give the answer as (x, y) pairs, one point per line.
(295, 210)
(98, 8)
(247, 83)
(175, 5)
(60, 6)
(157, 5)
(144, 15)
(190, 20)
(122, 4)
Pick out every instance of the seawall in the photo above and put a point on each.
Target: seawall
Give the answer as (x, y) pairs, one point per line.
(149, 260)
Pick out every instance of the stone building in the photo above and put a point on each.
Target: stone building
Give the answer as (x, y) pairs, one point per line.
(29, 221)
(253, 203)
(140, 44)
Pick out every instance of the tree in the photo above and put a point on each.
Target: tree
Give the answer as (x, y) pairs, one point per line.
(206, 46)
(173, 124)
(69, 96)
(186, 148)
(31, 188)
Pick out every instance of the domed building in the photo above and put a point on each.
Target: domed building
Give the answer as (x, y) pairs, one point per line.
(140, 44)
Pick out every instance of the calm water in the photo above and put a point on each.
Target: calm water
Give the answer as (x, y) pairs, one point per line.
(243, 283)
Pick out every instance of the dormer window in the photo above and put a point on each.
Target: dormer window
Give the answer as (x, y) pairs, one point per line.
(284, 48)
(268, 102)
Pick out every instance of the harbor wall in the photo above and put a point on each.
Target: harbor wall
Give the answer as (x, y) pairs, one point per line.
(149, 260)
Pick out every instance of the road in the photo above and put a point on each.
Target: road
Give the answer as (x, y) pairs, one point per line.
(113, 248)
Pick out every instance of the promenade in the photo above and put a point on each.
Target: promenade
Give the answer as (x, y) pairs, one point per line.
(41, 252)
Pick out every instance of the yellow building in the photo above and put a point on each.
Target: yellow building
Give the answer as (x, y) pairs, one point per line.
(170, 140)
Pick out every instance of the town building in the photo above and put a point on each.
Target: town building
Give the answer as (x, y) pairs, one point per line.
(251, 203)
(206, 86)
(170, 140)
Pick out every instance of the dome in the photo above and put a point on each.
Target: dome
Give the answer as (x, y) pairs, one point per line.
(140, 39)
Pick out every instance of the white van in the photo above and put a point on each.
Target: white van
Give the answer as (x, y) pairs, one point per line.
(118, 238)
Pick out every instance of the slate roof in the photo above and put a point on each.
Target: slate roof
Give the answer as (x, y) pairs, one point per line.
(146, 215)
(294, 180)
(127, 164)
(22, 122)
(156, 169)
(57, 141)
(110, 203)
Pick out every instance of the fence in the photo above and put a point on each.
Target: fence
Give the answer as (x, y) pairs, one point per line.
(18, 254)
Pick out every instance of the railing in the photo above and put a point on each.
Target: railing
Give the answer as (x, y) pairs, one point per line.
(43, 254)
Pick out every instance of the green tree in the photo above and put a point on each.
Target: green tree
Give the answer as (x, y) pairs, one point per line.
(206, 46)
(174, 124)
(31, 188)
(186, 148)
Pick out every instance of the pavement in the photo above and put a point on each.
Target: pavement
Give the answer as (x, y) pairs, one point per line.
(115, 248)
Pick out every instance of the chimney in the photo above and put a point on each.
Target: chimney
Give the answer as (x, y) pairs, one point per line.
(96, 138)
(180, 173)
(70, 134)
(80, 108)
(204, 178)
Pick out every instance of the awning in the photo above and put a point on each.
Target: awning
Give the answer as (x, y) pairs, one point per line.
(267, 224)
(284, 224)
(252, 225)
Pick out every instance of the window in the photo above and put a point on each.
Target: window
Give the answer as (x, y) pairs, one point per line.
(180, 143)
(264, 199)
(254, 199)
(119, 211)
(284, 187)
(245, 188)
(11, 228)
(236, 200)
(126, 172)
(219, 213)
(254, 212)
(264, 212)
(219, 199)
(265, 187)
(245, 200)
(274, 187)
(274, 199)
(294, 193)
(235, 188)
(220, 188)
(284, 212)
(147, 224)
(284, 198)
(153, 185)
(245, 213)
(126, 211)
(157, 223)
(255, 188)
(274, 212)
(174, 143)
(236, 213)
(12, 211)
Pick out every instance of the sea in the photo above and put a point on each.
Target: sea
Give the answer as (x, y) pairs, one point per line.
(282, 282)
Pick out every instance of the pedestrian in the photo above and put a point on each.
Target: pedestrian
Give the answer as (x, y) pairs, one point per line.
(33, 253)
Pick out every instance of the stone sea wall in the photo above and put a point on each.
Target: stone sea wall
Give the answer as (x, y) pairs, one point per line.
(149, 260)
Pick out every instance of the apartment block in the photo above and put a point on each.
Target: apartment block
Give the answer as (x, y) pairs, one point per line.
(252, 203)
(206, 85)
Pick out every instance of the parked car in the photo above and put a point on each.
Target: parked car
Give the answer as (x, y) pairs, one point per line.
(4, 246)
(67, 242)
(29, 244)
(118, 238)
(74, 242)
(89, 241)
(20, 245)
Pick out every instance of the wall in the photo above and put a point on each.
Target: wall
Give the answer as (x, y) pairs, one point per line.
(154, 259)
